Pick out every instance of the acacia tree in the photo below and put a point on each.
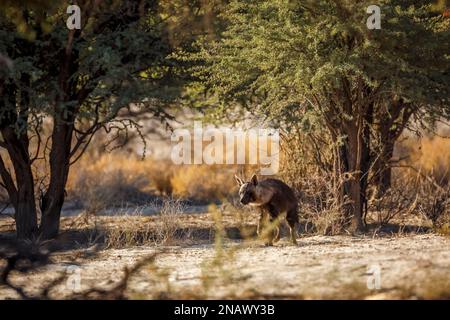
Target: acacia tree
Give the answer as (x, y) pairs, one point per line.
(276, 57)
(77, 82)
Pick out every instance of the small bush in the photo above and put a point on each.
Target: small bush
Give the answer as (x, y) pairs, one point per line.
(133, 230)
(320, 206)
(168, 224)
(398, 202)
(434, 203)
(129, 231)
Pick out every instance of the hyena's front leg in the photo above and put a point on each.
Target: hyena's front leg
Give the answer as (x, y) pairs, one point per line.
(263, 230)
(276, 233)
(262, 222)
(268, 226)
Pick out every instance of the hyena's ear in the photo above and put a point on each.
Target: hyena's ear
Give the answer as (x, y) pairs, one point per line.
(238, 180)
(254, 180)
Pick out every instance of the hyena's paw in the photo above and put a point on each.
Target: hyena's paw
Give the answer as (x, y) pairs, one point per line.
(294, 242)
(276, 237)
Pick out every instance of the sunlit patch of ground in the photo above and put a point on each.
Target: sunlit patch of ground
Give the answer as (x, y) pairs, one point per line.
(409, 266)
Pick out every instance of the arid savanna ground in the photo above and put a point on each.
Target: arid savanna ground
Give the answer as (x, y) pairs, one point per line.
(213, 255)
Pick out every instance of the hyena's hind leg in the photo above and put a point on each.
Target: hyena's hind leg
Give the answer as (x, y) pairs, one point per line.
(292, 220)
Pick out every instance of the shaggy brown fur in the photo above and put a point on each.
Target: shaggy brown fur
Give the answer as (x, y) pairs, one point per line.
(273, 198)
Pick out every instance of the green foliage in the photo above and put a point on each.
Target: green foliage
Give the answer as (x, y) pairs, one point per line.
(20, 12)
(119, 57)
(277, 57)
(118, 68)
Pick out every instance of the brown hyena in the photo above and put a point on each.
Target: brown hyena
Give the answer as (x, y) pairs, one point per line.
(273, 198)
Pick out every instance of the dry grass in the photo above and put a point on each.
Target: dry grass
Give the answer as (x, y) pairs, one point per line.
(110, 180)
(426, 172)
(203, 182)
(102, 180)
(133, 228)
(117, 180)
(168, 222)
(132, 231)
(128, 233)
(420, 183)
(321, 207)
(429, 155)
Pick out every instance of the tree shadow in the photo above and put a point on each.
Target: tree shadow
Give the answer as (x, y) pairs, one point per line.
(85, 238)
(389, 229)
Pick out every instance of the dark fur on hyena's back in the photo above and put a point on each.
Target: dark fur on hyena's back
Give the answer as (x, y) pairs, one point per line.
(283, 199)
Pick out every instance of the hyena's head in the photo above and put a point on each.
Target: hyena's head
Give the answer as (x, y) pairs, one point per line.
(248, 192)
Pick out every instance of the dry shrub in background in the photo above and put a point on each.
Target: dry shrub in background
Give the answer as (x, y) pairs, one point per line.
(433, 202)
(426, 170)
(413, 196)
(398, 203)
(203, 182)
(430, 155)
(117, 179)
(419, 190)
(169, 227)
(108, 181)
(131, 230)
(321, 207)
(161, 173)
(305, 165)
(128, 231)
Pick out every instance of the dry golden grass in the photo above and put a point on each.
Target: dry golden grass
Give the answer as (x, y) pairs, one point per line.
(429, 155)
(134, 229)
(117, 179)
(203, 181)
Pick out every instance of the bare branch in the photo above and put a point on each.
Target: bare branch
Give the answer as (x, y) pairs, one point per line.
(421, 174)
(8, 182)
(38, 147)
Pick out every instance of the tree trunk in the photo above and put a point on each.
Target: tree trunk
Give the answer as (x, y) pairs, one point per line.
(63, 128)
(51, 216)
(350, 191)
(16, 143)
(393, 120)
(25, 204)
(366, 157)
(353, 190)
(355, 163)
(53, 199)
(382, 169)
(25, 215)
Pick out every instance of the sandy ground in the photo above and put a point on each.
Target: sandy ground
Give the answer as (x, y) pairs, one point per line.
(337, 267)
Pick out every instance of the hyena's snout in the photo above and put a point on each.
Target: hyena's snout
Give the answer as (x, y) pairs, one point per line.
(245, 199)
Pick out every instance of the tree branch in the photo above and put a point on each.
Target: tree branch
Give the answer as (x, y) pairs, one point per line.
(8, 182)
